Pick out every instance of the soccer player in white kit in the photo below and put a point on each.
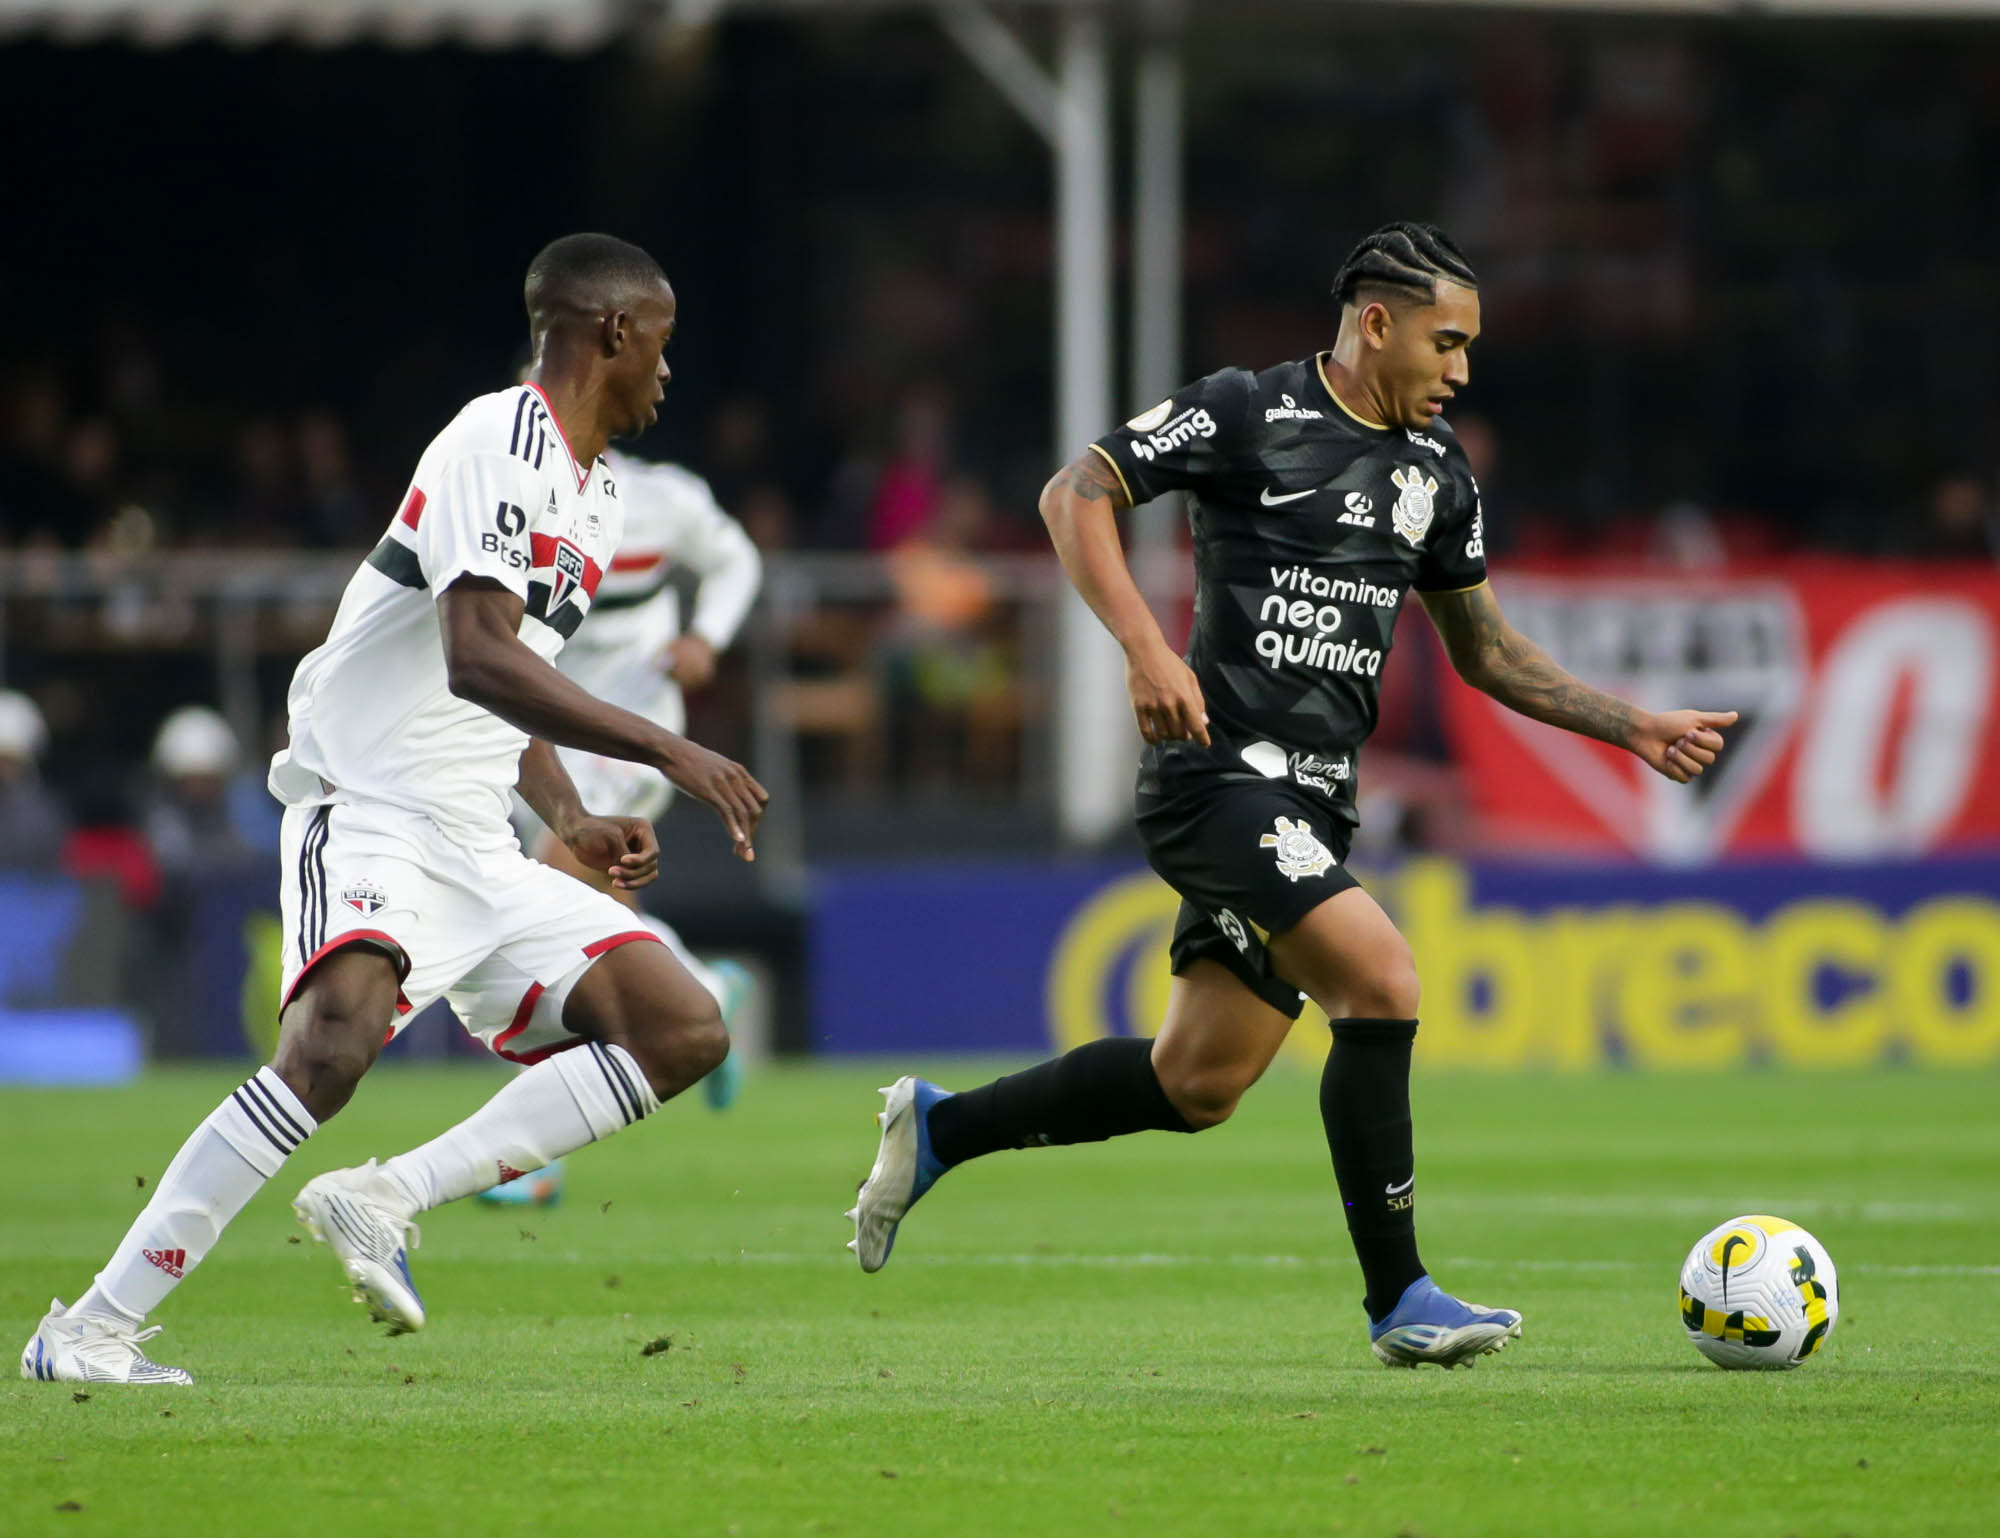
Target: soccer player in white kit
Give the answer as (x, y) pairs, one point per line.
(636, 654)
(432, 698)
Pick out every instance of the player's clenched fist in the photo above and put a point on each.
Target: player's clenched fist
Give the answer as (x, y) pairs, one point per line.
(1681, 743)
(724, 784)
(1166, 699)
(624, 848)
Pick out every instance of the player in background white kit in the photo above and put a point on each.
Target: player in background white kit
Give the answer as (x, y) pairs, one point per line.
(636, 654)
(433, 699)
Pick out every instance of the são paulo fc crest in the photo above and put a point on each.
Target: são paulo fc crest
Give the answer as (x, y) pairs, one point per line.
(569, 570)
(1415, 504)
(365, 898)
(1297, 850)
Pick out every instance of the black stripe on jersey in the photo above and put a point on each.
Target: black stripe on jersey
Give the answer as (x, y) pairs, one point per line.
(256, 1120)
(621, 1090)
(261, 1093)
(605, 602)
(563, 622)
(520, 410)
(398, 562)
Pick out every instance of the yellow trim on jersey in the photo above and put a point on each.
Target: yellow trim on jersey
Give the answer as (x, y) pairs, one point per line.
(1446, 592)
(1105, 455)
(1320, 364)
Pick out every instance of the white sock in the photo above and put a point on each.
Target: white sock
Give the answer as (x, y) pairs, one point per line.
(219, 1168)
(700, 970)
(550, 1109)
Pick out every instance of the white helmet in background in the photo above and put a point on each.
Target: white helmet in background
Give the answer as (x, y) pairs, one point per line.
(195, 740)
(23, 733)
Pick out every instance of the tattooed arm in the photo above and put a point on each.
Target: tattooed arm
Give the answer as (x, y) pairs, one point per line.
(1493, 656)
(1080, 506)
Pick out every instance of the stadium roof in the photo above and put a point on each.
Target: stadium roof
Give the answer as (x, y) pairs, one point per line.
(575, 25)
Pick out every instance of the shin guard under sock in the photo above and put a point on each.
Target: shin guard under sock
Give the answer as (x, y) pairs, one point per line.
(1364, 1099)
(1103, 1089)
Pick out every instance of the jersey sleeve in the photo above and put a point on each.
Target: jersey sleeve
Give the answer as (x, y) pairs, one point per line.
(1187, 439)
(474, 522)
(713, 545)
(1454, 556)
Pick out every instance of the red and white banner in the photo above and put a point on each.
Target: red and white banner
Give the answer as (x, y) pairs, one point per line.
(1870, 726)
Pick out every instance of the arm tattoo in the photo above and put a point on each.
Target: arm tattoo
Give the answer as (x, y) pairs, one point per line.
(1090, 476)
(1492, 655)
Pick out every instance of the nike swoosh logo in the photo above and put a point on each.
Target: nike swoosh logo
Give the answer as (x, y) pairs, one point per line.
(1399, 1190)
(1291, 496)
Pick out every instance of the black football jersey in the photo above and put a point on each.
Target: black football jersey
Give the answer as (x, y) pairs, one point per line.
(1310, 527)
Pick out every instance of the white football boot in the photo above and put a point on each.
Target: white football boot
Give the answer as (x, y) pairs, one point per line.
(84, 1348)
(364, 1218)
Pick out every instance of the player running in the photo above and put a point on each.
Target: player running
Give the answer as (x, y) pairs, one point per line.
(403, 883)
(635, 654)
(1320, 492)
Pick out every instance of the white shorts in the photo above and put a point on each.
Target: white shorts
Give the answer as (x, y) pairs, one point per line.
(500, 937)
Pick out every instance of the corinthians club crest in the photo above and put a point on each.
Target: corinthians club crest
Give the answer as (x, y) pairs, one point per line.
(1299, 852)
(1415, 505)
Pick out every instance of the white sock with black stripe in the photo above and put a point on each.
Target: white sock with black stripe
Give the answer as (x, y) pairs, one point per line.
(544, 1112)
(226, 1162)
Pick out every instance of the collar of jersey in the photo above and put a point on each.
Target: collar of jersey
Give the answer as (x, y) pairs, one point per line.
(1319, 367)
(549, 406)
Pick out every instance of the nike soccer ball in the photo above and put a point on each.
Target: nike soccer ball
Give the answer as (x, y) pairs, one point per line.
(1758, 1292)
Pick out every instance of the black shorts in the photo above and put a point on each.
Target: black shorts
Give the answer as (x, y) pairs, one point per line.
(1250, 858)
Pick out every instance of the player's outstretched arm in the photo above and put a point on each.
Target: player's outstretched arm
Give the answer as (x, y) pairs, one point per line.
(1080, 506)
(1493, 656)
(488, 664)
(624, 848)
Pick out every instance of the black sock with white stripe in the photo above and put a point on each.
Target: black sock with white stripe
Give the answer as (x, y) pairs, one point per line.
(551, 1109)
(226, 1162)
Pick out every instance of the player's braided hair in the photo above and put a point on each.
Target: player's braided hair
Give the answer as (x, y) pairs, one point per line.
(582, 272)
(1403, 260)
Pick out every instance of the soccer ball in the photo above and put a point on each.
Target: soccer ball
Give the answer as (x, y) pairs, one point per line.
(1758, 1292)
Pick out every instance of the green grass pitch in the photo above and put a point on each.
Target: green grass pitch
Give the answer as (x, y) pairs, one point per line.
(1155, 1337)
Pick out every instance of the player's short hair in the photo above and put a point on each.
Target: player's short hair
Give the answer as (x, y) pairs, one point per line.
(1402, 260)
(587, 272)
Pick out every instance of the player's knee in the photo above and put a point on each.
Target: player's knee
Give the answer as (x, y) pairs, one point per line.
(679, 1045)
(325, 1058)
(1388, 991)
(1206, 1095)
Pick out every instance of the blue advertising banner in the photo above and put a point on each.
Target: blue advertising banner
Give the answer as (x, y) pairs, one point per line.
(1523, 964)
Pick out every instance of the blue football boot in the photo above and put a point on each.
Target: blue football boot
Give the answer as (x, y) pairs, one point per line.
(1429, 1325)
(905, 1168)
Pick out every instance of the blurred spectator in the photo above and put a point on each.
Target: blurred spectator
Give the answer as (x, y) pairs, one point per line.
(193, 822)
(265, 509)
(332, 511)
(1960, 522)
(908, 490)
(32, 822)
(31, 479)
(945, 660)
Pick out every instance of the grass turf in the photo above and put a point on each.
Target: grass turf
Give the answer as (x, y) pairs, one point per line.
(1155, 1336)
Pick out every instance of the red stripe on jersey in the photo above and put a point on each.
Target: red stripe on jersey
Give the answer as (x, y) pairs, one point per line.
(413, 507)
(612, 942)
(638, 560)
(581, 475)
(543, 547)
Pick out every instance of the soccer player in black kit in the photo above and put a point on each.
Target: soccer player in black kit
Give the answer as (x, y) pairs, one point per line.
(1321, 492)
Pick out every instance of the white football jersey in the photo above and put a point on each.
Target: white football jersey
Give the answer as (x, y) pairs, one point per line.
(671, 519)
(497, 494)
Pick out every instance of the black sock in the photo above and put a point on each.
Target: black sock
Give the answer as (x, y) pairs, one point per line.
(1104, 1089)
(1364, 1099)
